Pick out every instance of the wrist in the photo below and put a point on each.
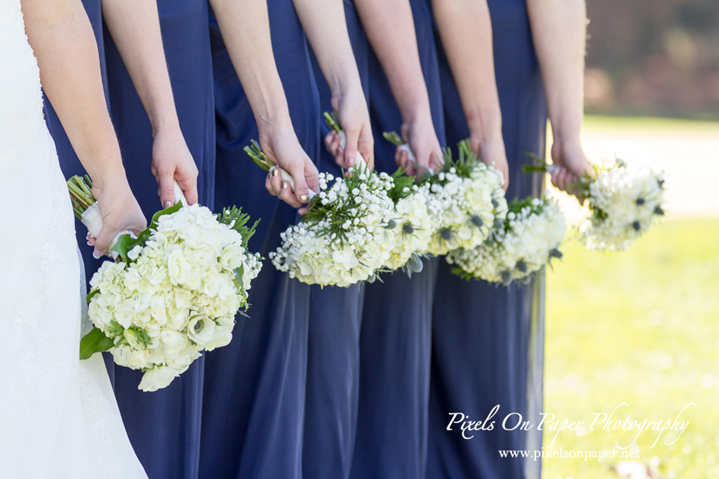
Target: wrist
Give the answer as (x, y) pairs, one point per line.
(485, 125)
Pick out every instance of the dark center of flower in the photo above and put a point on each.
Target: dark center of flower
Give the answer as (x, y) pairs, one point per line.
(477, 221)
(446, 234)
(637, 226)
(391, 224)
(506, 278)
(641, 201)
(407, 228)
(659, 211)
(555, 253)
(521, 266)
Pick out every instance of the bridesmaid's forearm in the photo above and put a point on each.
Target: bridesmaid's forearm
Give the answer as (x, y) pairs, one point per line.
(65, 47)
(135, 29)
(390, 30)
(326, 28)
(245, 30)
(559, 28)
(465, 28)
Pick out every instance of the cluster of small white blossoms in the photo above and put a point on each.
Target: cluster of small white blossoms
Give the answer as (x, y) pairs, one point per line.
(410, 230)
(176, 296)
(529, 238)
(464, 209)
(624, 200)
(342, 239)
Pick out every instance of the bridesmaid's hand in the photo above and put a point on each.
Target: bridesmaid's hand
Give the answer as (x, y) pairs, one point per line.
(423, 142)
(172, 160)
(283, 147)
(492, 152)
(120, 212)
(354, 118)
(570, 158)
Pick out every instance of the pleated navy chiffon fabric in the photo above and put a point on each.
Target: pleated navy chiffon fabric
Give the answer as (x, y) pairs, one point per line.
(254, 398)
(396, 323)
(334, 329)
(164, 426)
(488, 340)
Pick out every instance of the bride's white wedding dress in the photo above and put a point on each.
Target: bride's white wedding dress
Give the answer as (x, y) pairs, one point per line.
(58, 415)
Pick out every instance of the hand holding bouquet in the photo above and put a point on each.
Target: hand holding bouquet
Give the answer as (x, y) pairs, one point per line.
(172, 292)
(341, 239)
(526, 240)
(624, 200)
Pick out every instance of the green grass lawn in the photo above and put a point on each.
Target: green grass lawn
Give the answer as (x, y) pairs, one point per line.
(640, 327)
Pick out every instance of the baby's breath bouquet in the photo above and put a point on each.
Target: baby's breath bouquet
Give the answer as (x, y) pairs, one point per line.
(171, 292)
(465, 200)
(528, 238)
(342, 238)
(624, 200)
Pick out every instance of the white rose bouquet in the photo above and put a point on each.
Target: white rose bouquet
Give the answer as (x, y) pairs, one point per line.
(172, 292)
(342, 238)
(465, 200)
(528, 239)
(623, 199)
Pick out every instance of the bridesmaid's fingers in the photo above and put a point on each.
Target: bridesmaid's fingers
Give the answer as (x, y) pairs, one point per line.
(288, 196)
(273, 182)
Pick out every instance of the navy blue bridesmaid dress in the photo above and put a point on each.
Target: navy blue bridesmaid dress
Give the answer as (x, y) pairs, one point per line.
(334, 330)
(254, 397)
(69, 161)
(488, 340)
(396, 323)
(164, 426)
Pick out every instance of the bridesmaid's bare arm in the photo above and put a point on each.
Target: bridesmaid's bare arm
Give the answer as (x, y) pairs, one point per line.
(135, 28)
(465, 28)
(64, 44)
(245, 28)
(326, 28)
(390, 29)
(559, 29)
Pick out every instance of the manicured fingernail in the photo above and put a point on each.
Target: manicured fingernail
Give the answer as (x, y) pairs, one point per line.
(96, 254)
(168, 204)
(304, 198)
(275, 172)
(88, 243)
(351, 161)
(284, 185)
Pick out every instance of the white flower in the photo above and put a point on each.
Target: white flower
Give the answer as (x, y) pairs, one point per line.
(157, 378)
(200, 328)
(529, 238)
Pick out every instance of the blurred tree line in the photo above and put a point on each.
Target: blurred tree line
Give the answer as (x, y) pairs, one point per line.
(653, 57)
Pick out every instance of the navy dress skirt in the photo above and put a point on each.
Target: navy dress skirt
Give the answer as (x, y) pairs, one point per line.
(396, 323)
(254, 398)
(334, 330)
(488, 340)
(164, 426)
(69, 161)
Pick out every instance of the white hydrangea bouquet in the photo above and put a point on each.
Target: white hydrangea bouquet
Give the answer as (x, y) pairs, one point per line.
(527, 239)
(342, 238)
(410, 229)
(465, 200)
(172, 292)
(623, 199)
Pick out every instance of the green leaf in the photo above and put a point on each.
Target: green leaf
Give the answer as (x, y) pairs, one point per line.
(91, 294)
(94, 342)
(237, 220)
(123, 245)
(393, 138)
